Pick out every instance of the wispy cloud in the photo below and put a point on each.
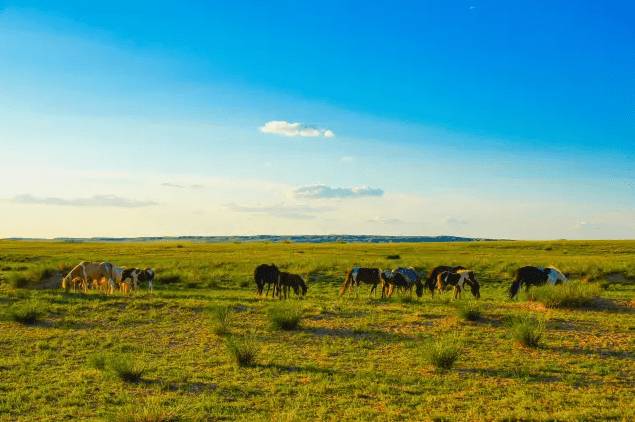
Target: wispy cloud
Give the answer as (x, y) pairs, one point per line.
(284, 128)
(385, 220)
(295, 212)
(328, 192)
(455, 221)
(93, 201)
(179, 186)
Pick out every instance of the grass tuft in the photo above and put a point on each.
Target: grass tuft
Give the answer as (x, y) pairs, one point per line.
(469, 311)
(242, 351)
(27, 313)
(444, 352)
(285, 316)
(527, 330)
(221, 316)
(568, 295)
(98, 361)
(126, 368)
(17, 280)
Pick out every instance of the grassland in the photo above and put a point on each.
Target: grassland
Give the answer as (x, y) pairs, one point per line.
(161, 356)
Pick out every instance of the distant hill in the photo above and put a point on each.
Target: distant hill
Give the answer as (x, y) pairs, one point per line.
(296, 239)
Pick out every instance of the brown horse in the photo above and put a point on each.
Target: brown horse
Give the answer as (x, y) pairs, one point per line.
(288, 281)
(358, 275)
(431, 282)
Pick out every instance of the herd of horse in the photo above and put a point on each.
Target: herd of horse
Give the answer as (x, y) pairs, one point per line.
(405, 279)
(106, 277)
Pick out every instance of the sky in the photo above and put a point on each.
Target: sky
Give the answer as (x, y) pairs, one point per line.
(473, 118)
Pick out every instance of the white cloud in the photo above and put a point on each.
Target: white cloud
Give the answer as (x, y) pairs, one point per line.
(284, 128)
(323, 191)
(93, 201)
(328, 133)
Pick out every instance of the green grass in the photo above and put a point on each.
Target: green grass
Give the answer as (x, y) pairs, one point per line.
(125, 367)
(527, 330)
(354, 358)
(221, 316)
(27, 313)
(443, 353)
(285, 316)
(568, 295)
(242, 351)
(469, 310)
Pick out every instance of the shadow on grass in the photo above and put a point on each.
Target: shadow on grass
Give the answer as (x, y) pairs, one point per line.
(597, 352)
(357, 334)
(511, 374)
(76, 325)
(295, 368)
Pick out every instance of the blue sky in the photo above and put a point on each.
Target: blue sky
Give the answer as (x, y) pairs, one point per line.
(476, 118)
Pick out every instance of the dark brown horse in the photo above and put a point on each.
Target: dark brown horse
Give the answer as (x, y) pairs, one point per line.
(431, 282)
(288, 281)
(358, 275)
(266, 274)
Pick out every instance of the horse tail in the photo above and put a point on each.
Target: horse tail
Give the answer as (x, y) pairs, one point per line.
(347, 282)
(431, 282)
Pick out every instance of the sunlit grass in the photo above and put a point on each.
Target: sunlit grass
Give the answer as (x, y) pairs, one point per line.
(353, 358)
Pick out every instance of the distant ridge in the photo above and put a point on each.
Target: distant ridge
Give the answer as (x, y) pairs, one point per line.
(270, 238)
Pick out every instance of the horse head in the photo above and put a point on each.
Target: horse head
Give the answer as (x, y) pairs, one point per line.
(474, 286)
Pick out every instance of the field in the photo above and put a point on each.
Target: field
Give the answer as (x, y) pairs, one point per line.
(161, 356)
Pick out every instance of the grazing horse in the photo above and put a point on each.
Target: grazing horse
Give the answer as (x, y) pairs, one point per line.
(358, 275)
(412, 277)
(403, 278)
(134, 276)
(93, 274)
(76, 284)
(431, 282)
(391, 280)
(287, 281)
(458, 280)
(266, 274)
(535, 276)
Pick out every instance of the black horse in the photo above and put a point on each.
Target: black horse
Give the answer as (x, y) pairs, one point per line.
(266, 274)
(431, 282)
(535, 276)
